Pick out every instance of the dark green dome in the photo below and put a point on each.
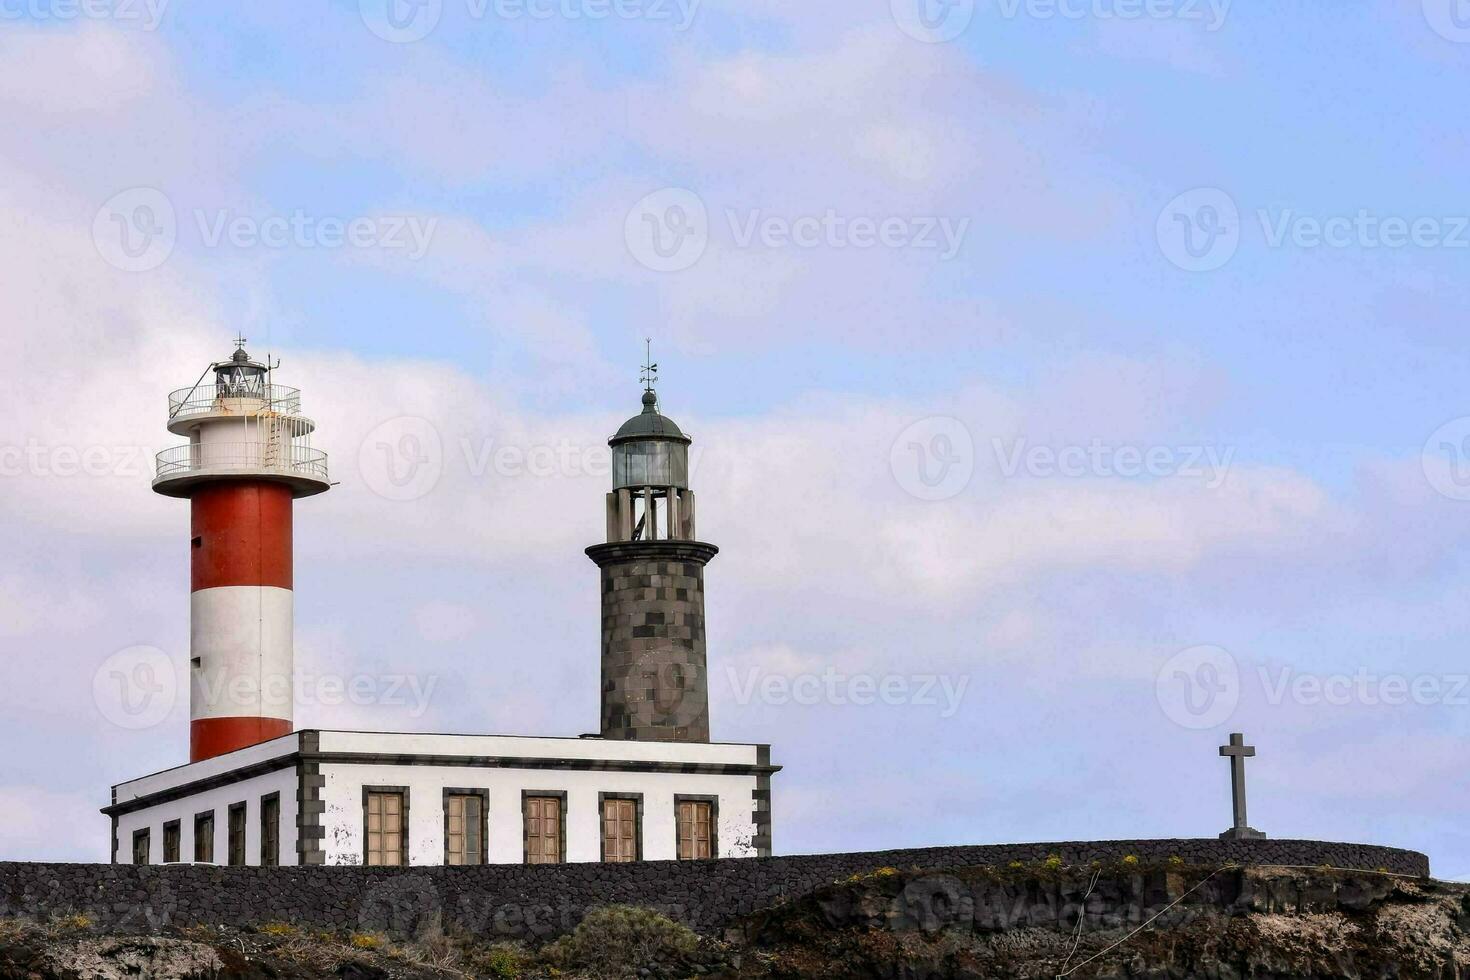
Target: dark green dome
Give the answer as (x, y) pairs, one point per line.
(649, 424)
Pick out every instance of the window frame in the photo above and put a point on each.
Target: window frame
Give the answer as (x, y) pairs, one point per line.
(237, 823)
(199, 818)
(602, 801)
(527, 795)
(403, 794)
(177, 829)
(483, 795)
(143, 835)
(270, 831)
(714, 824)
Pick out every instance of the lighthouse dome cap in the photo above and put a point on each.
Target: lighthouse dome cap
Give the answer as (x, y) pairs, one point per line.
(239, 359)
(649, 424)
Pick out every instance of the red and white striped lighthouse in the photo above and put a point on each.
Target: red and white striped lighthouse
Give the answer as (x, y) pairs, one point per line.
(248, 458)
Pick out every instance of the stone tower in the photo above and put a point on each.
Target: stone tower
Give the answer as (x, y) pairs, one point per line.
(655, 685)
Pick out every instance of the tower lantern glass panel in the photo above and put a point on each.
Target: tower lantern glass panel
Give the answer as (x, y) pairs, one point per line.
(650, 463)
(240, 377)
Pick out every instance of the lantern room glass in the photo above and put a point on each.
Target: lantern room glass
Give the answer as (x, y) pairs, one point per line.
(240, 381)
(650, 463)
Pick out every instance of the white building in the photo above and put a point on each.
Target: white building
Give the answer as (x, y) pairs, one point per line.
(362, 797)
(650, 786)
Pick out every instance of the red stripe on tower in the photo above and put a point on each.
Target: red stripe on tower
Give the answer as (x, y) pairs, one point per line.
(242, 534)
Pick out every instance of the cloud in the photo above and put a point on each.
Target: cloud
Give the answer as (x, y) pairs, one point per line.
(94, 110)
(29, 602)
(451, 123)
(1184, 46)
(92, 71)
(444, 622)
(1403, 768)
(43, 825)
(857, 123)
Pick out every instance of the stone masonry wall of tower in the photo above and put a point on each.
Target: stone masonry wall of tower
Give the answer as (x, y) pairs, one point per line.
(655, 683)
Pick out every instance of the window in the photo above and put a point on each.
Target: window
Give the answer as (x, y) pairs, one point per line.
(140, 846)
(204, 837)
(464, 826)
(544, 841)
(237, 835)
(695, 826)
(386, 813)
(619, 830)
(171, 842)
(270, 831)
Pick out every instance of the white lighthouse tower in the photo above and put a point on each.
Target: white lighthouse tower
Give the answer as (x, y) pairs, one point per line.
(248, 458)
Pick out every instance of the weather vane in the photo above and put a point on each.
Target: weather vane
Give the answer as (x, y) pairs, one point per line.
(650, 369)
(240, 341)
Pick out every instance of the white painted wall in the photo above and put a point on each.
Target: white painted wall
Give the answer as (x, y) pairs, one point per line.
(248, 791)
(343, 820)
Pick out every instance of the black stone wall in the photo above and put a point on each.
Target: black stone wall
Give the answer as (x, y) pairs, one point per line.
(518, 901)
(655, 684)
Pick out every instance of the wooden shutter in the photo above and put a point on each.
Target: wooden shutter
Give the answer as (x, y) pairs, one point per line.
(171, 842)
(463, 843)
(543, 830)
(141, 846)
(237, 835)
(619, 831)
(696, 837)
(204, 837)
(385, 830)
(270, 832)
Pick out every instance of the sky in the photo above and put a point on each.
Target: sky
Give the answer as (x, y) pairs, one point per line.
(1073, 383)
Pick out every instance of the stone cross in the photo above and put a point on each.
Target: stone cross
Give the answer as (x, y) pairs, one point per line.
(1237, 752)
